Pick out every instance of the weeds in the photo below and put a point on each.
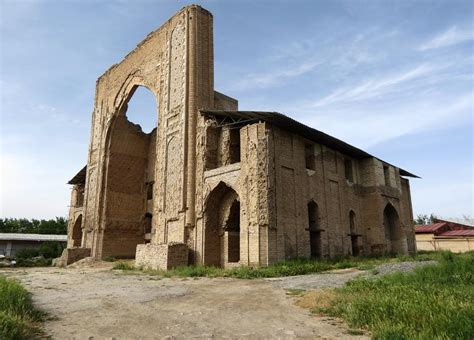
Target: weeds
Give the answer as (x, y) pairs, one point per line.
(286, 268)
(123, 266)
(18, 318)
(433, 302)
(295, 292)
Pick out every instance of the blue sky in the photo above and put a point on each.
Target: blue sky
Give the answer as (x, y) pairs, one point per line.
(392, 77)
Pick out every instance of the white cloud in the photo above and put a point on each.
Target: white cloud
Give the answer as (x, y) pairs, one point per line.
(389, 122)
(275, 77)
(373, 87)
(450, 37)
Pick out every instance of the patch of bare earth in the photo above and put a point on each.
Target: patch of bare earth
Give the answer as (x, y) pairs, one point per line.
(100, 303)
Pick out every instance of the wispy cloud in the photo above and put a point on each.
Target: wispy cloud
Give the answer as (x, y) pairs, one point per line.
(374, 87)
(390, 122)
(275, 77)
(450, 37)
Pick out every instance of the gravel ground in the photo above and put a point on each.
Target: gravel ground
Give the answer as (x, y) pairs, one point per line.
(337, 278)
(388, 268)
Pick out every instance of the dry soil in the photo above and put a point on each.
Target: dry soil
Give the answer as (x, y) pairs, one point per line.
(97, 303)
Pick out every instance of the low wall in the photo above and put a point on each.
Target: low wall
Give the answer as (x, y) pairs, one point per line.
(456, 245)
(161, 256)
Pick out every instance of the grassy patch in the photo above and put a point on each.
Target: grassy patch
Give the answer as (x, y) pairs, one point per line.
(295, 292)
(285, 268)
(123, 266)
(109, 259)
(432, 302)
(18, 318)
(321, 298)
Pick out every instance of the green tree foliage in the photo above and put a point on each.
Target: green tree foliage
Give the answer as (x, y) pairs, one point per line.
(56, 226)
(423, 219)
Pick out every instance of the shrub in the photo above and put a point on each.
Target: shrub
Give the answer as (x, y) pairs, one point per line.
(38, 261)
(27, 253)
(51, 249)
(39, 257)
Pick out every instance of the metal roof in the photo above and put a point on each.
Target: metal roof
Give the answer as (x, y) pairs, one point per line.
(457, 233)
(287, 123)
(430, 228)
(465, 224)
(80, 177)
(32, 237)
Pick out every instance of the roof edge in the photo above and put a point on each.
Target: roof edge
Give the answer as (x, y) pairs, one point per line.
(287, 123)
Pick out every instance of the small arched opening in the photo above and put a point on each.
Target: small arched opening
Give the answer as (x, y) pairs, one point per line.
(394, 238)
(77, 232)
(314, 229)
(222, 227)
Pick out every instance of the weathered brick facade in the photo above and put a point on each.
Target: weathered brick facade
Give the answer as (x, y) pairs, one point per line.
(237, 188)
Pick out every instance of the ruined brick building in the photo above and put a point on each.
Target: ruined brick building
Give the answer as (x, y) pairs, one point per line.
(217, 186)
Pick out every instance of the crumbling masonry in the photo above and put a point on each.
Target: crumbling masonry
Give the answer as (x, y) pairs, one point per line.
(217, 186)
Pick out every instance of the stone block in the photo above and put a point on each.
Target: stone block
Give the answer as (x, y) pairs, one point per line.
(161, 256)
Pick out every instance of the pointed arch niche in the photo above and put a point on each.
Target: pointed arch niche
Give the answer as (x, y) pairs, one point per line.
(222, 227)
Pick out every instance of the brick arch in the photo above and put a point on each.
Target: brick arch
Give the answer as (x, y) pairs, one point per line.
(221, 226)
(314, 227)
(77, 232)
(123, 191)
(395, 239)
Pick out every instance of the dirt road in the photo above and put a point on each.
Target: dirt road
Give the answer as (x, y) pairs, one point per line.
(99, 303)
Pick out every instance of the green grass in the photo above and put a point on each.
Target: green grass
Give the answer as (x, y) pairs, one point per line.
(123, 266)
(18, 317)
(286, 268)
(432, 302)
(109, 259)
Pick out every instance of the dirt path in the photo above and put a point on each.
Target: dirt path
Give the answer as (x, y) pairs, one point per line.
(337, 278)
(103, 304)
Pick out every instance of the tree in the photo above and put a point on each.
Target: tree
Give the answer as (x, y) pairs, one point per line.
(423, 219)
(56, 226)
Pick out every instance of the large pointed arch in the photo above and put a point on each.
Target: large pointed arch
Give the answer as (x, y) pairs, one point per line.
(128, 152)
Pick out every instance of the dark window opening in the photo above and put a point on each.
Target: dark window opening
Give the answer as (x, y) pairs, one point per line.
(233, 233)
(234, 147)
(77, 232)
(149, 190)
(348, 171)
(354, 235)
(222, 146)
(80, 196)
(386, 175)
(310, 157)
(147, 223)
(314, 230)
